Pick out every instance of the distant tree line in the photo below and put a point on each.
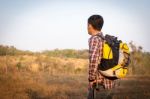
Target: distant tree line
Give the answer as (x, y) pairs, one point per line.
(11, 50)
(70, 53)
(140, 61)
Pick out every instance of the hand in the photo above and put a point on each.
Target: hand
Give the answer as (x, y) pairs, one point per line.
(91, 84)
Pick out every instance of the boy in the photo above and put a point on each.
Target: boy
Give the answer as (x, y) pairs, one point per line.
(95, 24)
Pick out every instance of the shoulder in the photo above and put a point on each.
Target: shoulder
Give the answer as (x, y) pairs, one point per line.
(95, 39)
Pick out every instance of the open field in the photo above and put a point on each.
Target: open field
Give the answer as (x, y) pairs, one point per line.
(42, 77)
(24, 85)
(133, 87)
(42, 86)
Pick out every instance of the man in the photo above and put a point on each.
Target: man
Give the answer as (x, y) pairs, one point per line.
(95, 24)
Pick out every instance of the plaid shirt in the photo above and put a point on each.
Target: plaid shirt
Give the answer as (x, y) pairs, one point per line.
(95, 55)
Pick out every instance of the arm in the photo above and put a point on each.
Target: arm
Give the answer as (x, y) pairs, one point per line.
(94, 48)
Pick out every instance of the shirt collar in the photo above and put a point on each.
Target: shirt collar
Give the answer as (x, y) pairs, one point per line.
(100, 34)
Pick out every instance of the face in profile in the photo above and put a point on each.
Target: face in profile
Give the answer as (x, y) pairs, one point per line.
(89, 28)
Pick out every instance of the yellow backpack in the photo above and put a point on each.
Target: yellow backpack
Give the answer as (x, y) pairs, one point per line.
(115, 58)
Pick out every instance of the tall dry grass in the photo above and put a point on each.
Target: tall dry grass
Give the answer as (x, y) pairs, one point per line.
(28, 75)
(42, 77)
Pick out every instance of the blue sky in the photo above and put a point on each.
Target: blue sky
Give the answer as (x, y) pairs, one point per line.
(38, 25)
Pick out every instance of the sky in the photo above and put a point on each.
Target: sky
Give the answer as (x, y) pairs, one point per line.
(38, 25)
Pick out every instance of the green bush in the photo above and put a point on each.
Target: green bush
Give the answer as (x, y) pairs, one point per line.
(11, 50)
(69, 53)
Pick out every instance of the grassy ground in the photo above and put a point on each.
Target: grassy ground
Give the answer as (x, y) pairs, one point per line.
(24, 85)
(42, 86)
(133, 87)
(40, 77)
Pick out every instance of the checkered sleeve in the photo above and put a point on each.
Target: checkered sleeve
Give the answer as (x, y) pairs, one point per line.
(94, 45)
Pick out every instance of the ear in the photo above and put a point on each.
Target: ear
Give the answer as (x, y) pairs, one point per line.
(90, 26)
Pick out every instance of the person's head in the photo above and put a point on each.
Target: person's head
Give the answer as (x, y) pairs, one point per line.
(95, 24)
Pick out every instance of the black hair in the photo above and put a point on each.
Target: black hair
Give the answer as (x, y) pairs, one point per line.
(96, 21)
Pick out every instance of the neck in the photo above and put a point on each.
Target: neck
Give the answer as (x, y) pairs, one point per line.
(95, 32)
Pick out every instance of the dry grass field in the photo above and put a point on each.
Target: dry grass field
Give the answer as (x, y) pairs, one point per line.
(44, 77)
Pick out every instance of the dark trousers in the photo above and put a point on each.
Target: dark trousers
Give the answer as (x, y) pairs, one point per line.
(100, 93)
(91, 94)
